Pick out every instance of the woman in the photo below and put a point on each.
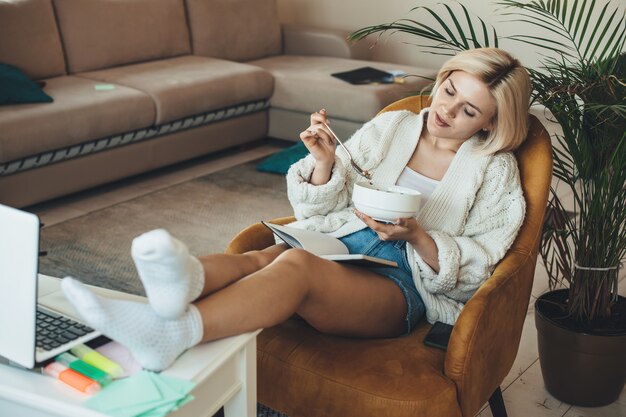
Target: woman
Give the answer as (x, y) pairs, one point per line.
(456, 153)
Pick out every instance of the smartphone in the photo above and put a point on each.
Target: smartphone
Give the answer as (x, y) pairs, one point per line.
(439, 335)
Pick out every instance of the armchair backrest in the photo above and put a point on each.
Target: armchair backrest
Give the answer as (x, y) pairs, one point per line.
(485, 339)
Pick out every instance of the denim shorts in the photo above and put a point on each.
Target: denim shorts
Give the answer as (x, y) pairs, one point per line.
(367, 242)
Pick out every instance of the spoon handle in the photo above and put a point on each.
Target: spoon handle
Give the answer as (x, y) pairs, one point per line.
(361, 172)
(338, 141)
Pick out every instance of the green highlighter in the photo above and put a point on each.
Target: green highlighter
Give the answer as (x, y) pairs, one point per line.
(84, 368)
(93, 358)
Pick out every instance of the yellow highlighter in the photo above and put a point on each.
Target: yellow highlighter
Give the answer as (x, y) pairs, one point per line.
(98, 360)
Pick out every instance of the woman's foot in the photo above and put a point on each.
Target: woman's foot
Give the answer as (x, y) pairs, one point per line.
(171, 276)
(155, 342)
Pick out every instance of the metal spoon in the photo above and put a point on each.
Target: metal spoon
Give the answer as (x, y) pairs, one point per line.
(358, 169)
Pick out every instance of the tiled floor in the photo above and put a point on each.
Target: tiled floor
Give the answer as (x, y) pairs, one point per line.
(523, 389)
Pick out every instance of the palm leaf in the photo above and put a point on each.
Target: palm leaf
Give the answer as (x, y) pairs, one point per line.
(449, 33)
(613, 39)
(443, 25)
(462, 36)
(572, 15)
(595, 30)
(473, 36)
(585, 36)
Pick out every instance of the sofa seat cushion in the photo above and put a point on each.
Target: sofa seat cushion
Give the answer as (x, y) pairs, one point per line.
(78, 114)
(191, 85)
(300, 367)
(304, 83)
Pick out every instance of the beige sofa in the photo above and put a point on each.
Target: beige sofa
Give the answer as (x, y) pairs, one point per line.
(140, 84)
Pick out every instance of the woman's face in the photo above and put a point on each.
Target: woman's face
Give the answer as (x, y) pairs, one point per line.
(462, 106)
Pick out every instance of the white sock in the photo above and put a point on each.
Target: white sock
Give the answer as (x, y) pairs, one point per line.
(171, 276)
(155, 342)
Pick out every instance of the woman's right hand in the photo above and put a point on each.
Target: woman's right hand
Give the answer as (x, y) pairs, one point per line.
(318, 140)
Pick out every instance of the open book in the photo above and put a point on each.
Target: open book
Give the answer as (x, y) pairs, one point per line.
(324, 246)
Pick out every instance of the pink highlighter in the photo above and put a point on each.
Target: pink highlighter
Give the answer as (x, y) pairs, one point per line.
(72, 378)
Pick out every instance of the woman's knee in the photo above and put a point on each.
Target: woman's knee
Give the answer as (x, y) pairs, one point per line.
(264, 257)
(296, 258)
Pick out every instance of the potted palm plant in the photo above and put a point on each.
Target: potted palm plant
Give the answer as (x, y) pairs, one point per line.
(581, 81)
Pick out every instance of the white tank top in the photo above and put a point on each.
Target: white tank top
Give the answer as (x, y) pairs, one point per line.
(416, 181)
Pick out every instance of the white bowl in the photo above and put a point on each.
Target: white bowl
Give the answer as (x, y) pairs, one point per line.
(385, 203)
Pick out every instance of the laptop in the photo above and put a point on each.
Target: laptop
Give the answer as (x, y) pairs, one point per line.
(30, 333)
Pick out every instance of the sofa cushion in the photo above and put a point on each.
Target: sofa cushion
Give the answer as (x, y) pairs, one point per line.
(104, 33)
(304, 83)
(16, 87)
(239, 30)
(190, 85)
(29, 38)
(79, 113)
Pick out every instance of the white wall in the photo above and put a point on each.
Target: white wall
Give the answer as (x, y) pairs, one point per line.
(349, 15)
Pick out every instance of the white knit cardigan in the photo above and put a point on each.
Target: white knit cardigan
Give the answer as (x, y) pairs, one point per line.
(473, 215)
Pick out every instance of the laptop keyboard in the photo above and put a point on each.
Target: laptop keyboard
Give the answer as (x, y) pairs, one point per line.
(54, 330)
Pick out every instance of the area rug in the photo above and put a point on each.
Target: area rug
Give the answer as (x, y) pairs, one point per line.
(205, 213)
(280, 162)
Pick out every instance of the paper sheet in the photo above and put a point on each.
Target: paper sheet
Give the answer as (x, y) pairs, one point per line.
(145, 394)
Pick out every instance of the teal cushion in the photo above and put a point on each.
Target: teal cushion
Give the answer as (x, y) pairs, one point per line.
(16, 87)
(280, 162)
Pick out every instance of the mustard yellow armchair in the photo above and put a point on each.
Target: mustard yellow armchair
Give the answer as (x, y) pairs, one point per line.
(304, 373)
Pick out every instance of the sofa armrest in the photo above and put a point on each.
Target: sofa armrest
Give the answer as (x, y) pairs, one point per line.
(299, 40)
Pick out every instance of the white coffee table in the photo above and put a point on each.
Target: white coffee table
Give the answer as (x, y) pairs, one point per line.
(224, 372)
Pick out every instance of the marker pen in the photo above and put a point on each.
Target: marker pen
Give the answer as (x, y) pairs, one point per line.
(98, 360)
(72, 378)
(84, 368)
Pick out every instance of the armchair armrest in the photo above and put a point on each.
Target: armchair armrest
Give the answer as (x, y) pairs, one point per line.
(485, 338)
(298, 40)
(255, 237)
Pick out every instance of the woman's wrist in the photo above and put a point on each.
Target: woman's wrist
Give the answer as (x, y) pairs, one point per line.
(417, 236)
(321, 172)
(426, 247)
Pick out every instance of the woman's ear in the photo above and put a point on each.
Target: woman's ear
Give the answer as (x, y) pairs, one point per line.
(490, 126)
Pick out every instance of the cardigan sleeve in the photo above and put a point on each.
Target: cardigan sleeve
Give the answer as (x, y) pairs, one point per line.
(310, 200)
(466, 261)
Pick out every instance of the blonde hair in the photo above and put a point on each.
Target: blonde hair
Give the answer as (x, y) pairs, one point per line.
(509, 84)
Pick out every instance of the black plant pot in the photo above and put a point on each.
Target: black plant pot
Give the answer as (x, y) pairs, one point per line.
(584, 368)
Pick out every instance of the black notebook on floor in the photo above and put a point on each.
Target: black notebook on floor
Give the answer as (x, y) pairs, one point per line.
(365, 75)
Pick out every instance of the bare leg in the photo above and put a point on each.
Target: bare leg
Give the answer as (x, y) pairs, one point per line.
(332, 297)
(221, 270)
(173, 278)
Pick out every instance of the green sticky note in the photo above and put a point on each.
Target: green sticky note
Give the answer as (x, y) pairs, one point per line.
(175, 386)
(159, 411)
(104, 87)
(145, 394)
(136, 393)
(185, 400)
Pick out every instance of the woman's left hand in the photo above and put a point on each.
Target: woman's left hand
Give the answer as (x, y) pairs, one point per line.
(403, 229)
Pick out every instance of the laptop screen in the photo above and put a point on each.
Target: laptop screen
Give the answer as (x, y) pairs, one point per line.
(19, 257)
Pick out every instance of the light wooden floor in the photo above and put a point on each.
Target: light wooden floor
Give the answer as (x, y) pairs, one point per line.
(523, 389)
